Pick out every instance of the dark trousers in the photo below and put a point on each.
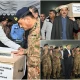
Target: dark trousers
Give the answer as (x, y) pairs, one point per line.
(63, 68)
(68, 69)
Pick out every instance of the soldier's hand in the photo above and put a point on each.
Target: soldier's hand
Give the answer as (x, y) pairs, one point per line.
(20, 48)
(57, 57)
(19, 52)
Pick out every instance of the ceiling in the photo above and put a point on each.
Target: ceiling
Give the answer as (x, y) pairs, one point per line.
(11, 7)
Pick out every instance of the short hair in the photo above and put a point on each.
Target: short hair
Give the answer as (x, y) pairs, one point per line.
(52, 11)
(51, 46)
(77, 47)
(61, 47)
(56, 47)
(28, 13)
(45, 45)
(34, 9)
(67, 45)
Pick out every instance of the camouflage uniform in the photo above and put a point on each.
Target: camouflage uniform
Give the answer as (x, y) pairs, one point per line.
(33, 52)
(77, 63)
(46, 65)
(56, 64)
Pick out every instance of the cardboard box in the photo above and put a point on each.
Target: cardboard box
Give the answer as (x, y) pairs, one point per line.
(12, 68)
(74, 9)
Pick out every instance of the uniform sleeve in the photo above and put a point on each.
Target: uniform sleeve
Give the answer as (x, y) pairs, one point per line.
(43, 30)
(7, 41)
(60, 56)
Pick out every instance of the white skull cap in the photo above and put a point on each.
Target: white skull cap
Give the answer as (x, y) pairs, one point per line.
(63, 6)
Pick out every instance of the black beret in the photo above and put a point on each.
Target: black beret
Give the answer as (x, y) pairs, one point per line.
(21, 12)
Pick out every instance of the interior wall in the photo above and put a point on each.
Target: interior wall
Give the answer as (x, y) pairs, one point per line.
(48, 5)
(74, 43)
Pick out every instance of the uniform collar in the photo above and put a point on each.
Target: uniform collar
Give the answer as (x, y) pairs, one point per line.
(34, 27)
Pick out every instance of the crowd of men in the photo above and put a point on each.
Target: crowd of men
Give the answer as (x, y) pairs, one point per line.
(60, 63)
(58, 25)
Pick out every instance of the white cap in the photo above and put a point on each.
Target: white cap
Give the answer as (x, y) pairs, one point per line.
(63, 6)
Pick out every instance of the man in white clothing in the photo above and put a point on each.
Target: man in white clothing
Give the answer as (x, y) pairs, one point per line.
(3, 37)
(47, 25)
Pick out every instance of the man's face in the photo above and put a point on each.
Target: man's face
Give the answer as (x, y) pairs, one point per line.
(57, 50)
(25, 23)
(4, 23)
(51, 14)
(42, 17)
(51, 47)
(10, 24)
(77, 49)
(69, 47)
(34, 14)
(64, 11)
(61, 48)
(46, 47)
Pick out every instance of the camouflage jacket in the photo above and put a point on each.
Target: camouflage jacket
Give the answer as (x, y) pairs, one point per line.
(46, 59)
(56, 58)
(33, 50)
(77, 57)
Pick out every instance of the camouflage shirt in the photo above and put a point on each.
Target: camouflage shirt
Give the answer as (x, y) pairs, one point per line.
(56, 58)
(46, 59)
(33, 50)
(77, 57)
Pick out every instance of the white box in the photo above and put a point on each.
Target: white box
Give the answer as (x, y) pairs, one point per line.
(12, 68)
(74, 9)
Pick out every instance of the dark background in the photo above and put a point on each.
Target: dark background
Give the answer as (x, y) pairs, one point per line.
(74, 43)
(47, 5)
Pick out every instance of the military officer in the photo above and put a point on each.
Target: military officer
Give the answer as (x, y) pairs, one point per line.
(56, 63)
(27, 21)
(46, 63)
(77, 63)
